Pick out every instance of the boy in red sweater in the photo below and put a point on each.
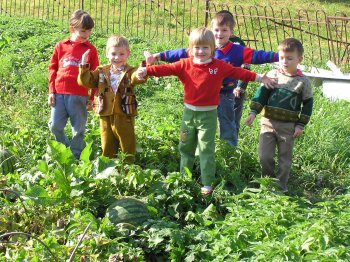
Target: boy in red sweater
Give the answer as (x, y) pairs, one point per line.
(66, 98)
(201, 76)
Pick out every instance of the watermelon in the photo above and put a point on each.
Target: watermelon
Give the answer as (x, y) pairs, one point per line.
(128, 210)
(7, 161)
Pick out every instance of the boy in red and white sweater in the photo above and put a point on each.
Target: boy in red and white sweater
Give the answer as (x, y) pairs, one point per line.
(66, 98)
(201, 76)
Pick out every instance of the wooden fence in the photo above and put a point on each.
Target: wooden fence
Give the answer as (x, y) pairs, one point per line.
(324, 37)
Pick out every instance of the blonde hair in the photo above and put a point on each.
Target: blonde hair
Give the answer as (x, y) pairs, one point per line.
(117, 41)
(81, 18)
(202, 36)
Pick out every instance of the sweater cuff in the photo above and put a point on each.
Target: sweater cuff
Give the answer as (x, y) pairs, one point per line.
(162, 56)
(253, 112)
(300, 125)
(258, 78)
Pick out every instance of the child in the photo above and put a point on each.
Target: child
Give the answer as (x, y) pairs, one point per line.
(116, 102)
(201, 76)
(66, 98)
(239, 91)
(222, 26)
(287, 109)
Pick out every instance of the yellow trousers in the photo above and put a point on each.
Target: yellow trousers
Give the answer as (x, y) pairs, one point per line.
(118, 131)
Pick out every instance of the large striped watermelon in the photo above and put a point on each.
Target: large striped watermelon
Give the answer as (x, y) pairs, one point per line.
(7, 161)
(128, 210)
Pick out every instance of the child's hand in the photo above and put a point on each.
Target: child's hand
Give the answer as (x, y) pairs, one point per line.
(250, 119)
(89, 105)
(237, 92)
(150, 59)
(269, 82)
(85, 57)
(297, 132)
(51, 100)
(141, 73)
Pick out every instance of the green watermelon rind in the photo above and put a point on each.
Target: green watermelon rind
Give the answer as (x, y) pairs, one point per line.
(127, 210)
(7, 162)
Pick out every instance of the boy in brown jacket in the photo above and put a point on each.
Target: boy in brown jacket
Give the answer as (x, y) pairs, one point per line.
(115, 100)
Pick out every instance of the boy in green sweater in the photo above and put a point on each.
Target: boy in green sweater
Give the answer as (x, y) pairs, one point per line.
(286, 110)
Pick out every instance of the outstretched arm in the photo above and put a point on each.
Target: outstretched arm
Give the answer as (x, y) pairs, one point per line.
(151, 58)
(267, 81)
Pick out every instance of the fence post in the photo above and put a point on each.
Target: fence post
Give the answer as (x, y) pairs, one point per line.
(82, 5)
(206, 12)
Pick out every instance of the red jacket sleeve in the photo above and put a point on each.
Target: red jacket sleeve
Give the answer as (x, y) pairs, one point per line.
(164, 69)
(53, 67)
(239, 73)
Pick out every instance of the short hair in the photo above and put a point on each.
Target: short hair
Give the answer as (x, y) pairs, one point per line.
(291, 45)
(117, 41)
(202, 36)
(81, 18)
(224, 17)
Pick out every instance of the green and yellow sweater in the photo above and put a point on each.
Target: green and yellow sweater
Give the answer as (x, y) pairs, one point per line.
(290, 101)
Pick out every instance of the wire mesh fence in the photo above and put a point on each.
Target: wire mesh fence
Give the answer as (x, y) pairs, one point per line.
(324, 37)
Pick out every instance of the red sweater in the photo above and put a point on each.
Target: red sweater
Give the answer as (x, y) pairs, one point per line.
(64, 67)
(202, 82)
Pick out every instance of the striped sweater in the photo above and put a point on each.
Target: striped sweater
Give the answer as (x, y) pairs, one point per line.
(290, 101)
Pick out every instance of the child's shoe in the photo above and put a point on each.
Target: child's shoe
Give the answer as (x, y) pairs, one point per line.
(206, 190)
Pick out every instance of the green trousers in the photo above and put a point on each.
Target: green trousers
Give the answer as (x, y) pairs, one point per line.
(199, 128)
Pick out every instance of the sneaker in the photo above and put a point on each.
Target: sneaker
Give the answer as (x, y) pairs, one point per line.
(206, 190)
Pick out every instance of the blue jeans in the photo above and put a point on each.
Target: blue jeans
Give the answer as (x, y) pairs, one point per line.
(238, 108)
(74, 108)
(227, 119)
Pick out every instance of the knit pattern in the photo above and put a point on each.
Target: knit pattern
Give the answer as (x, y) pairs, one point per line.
(290, 101)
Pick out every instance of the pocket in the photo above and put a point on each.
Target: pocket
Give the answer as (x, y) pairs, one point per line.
(103, 104)
(129, 104)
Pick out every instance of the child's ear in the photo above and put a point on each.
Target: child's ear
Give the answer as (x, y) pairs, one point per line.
(71, 29)
(301, 58)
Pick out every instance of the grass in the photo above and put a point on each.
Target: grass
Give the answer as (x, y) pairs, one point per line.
(246, 219)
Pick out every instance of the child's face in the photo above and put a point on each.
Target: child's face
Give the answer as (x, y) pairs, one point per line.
(289, 61)
(118, 56)
(80, 34)
(201, 53)
(221, 33)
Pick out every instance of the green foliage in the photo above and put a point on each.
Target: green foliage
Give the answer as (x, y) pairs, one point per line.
(54, 197)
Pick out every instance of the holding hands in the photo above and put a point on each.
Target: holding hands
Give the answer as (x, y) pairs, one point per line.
(141, 73)
(150, 59)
